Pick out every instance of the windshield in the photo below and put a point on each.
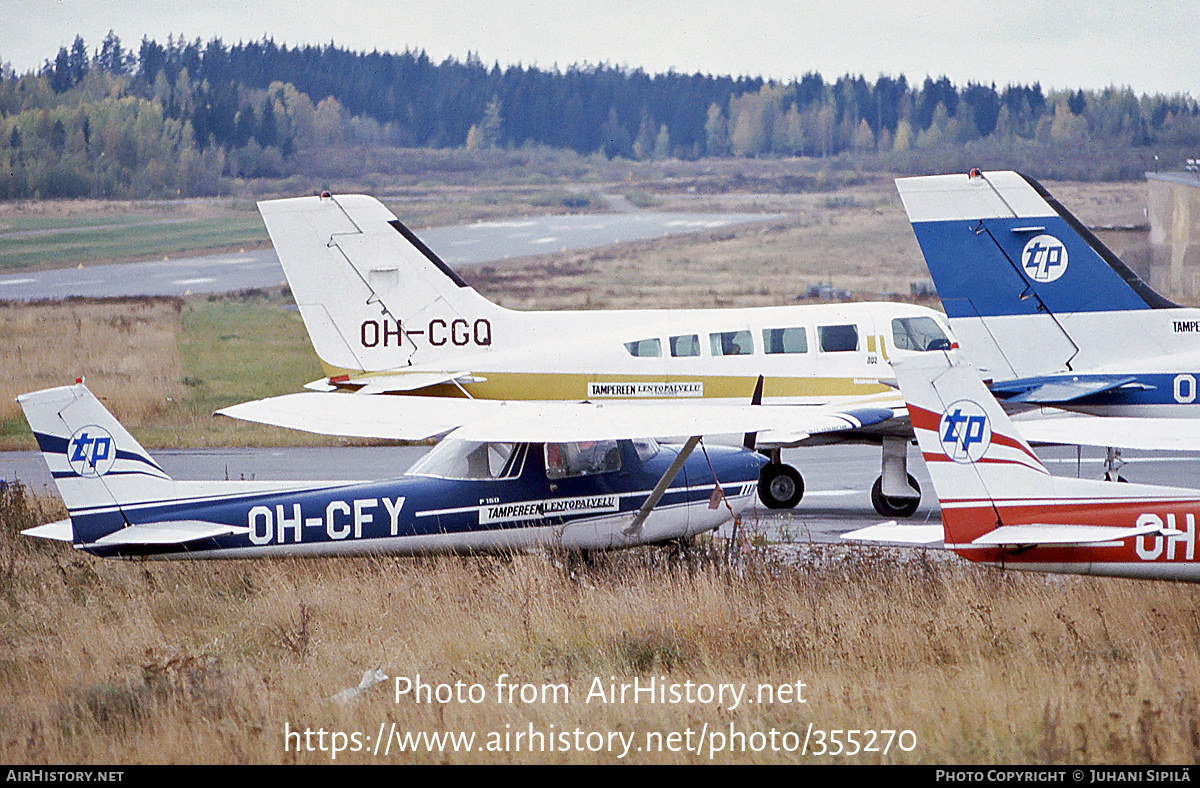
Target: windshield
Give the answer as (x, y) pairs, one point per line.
(458, 459)
(918, 333)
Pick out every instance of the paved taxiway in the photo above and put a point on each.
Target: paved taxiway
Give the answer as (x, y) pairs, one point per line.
(837, 478)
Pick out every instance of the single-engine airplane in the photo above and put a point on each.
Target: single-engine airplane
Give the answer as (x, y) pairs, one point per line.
(554, 476)
(1001, 506)
(1053, 318)
(387, 316)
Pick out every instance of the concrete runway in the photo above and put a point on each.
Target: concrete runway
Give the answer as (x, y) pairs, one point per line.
(837, 478)
(470, 244)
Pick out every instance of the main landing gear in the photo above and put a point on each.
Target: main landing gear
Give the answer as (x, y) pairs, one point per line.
(779, 486)
(895, 493)
(897, 506)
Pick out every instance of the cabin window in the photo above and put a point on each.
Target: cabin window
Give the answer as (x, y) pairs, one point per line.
(731, 343)
(458, 459)
(646, 448)
(645, 348)
(584, 458)
(785, 340)
(838, 339)
(685, 345)
(918, 333)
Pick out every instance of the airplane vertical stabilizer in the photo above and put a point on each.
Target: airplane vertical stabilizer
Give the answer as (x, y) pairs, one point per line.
(1011, 265)
(365, 284)
(96, 464)
(970, 447)
(993, 489)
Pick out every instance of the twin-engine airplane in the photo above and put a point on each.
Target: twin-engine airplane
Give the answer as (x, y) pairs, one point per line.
(1053, 317)
(1001, 506)
(552, 476)
(387, 316)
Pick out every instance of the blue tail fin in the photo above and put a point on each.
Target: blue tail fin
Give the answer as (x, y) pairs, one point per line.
(997, 244)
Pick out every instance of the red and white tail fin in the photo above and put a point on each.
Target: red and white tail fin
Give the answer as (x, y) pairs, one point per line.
(974, 453)
(998, 501)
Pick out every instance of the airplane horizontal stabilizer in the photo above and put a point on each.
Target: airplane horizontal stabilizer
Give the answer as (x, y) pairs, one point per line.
(1058, 389)
(60, 531)
(409, 381)
(1045, 534)
(1128, 432)
(175, 532)
(891, 532)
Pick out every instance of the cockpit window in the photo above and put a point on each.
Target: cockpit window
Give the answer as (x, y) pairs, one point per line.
(458, 459)
(785, 340)
(585, 458)
(731, 343)
(918, 333)
(685, 345)
(838, 339)
(645, 348)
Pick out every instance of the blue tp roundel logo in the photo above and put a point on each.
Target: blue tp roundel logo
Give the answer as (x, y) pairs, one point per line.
(1044, 258)
(92, 451)
(965, 431)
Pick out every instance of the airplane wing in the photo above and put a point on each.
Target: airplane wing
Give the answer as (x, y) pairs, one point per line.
(418, 418)
(1127, 432)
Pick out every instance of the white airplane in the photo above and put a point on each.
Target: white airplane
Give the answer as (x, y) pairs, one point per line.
(387, 316)
(1053, 318)
(559, 475)
(1001, 506)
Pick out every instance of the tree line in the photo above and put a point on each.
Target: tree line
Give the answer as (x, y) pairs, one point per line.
(181, 116)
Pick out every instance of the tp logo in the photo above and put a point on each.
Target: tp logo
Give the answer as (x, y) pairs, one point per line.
(965, 431)
(91, 451)
(1044, 258)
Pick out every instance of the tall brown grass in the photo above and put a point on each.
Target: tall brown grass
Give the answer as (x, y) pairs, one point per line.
(108, 661)
(124, 348)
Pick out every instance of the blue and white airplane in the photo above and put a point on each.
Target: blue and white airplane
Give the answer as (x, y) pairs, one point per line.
(1053, 318)
(510, 482)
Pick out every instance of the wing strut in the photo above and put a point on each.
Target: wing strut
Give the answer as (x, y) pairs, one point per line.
(657, 493)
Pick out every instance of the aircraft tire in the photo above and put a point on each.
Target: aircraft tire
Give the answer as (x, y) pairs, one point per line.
(894, 507)
(780, 486)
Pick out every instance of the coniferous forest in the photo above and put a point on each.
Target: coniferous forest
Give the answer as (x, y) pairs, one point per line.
(188, 118)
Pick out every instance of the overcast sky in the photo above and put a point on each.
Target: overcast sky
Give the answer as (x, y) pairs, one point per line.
(1153, 46)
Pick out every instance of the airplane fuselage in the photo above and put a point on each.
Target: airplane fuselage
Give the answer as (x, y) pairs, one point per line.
(1156, 556)
(413, 514)
(813, 354)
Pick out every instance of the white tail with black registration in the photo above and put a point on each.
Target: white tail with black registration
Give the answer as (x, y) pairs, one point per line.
(371, 292)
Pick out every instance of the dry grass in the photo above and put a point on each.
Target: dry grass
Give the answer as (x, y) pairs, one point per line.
(105, 661)
(126, 348)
